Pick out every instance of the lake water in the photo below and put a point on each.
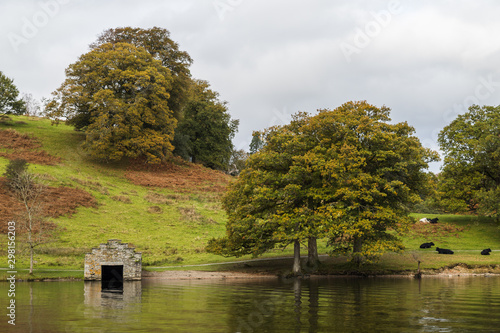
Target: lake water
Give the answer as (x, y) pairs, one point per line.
(458, 304)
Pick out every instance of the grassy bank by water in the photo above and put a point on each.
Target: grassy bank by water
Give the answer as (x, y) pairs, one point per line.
(170, 214)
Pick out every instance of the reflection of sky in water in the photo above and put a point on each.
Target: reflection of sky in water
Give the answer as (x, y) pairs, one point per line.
(428, 324)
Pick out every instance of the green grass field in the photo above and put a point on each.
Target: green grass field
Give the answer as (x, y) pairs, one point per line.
(171, 228)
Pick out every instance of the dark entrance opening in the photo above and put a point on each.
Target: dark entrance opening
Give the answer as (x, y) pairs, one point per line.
(112, 278)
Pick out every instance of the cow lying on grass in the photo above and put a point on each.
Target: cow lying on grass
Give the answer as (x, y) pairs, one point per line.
(426, 220)
(426, 245)
(486, 252)
(444, 251)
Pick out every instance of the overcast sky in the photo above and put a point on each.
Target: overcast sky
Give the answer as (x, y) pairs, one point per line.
(426, 60)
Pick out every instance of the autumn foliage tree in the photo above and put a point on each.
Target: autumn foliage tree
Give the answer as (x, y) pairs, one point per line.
(205, 129)
(470, 180)
(375, 171)
(118, 94)
(157, 42)
(345, 174)
(133, 95)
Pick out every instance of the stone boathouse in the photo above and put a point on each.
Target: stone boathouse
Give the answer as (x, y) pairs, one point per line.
(114, 257)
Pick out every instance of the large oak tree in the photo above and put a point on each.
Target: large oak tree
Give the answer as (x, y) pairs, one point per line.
(205, 129)
(346, 174)
(157, 42)
(118, 94)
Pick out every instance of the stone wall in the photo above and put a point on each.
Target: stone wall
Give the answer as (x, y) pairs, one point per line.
(114, 252)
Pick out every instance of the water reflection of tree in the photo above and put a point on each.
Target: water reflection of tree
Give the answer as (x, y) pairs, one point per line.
(32, 309)
(284, 305)
(256, 306)
(347, 304)
(297, 290)
(314, 305)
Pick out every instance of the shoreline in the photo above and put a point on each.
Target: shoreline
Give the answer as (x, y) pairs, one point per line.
(221, 276)
(203, 275)
(278, 272)
(206, 275)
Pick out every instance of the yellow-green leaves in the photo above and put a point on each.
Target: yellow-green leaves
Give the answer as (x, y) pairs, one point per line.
(343, 174)
(118, 93)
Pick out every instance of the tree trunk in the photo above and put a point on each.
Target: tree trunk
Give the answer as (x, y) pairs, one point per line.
(296, 258)
(312, 253)
(357, 246)
(31, 260)
(358, 243)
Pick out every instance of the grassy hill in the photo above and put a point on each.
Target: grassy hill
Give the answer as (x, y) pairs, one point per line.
(168, 213)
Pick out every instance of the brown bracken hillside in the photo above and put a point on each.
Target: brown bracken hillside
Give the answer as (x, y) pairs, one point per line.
(16, 145)
(179, 176)
(56, 201)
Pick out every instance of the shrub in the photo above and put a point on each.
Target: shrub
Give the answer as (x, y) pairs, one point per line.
(14, 169)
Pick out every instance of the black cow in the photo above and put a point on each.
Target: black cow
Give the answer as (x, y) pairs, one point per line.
(434, 220)
(444, 251)
(486, 252)
(426, 245)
